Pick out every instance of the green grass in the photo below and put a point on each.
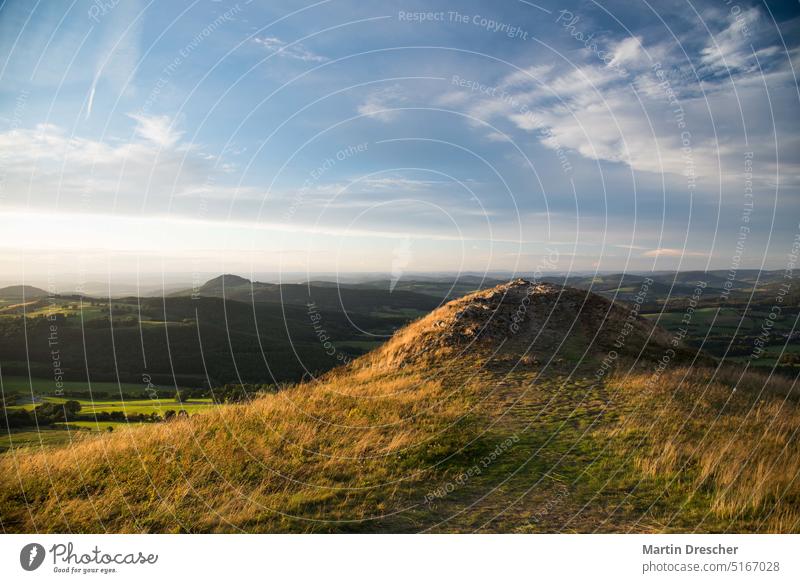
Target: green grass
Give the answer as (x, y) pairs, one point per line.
(726, 319)
(769, 357)
(91, 425)
(28, 438)
(88, 312)
(146, 406)
(702, 317)
(22, 385)
(131, 407)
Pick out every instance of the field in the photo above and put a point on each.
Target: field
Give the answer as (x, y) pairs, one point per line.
(267, 342)
(22, 385)
(44, 437)
(132, 407)
(733, 333)
(87, 309)
(63, 432)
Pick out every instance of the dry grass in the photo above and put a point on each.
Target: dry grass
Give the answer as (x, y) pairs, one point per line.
(734, 454)
(241, 466)
(359, 450)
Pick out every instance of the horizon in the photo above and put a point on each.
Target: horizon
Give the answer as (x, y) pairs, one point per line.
(150, 285)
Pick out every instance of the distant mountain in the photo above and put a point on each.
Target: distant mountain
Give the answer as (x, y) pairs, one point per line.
(444, 289)
(21, 292)
(671, 284)
(355, 299)
(226, 281)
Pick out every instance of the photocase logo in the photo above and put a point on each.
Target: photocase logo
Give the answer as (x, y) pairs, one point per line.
(31, 556)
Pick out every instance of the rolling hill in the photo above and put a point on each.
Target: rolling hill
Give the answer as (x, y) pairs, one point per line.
(522, 408)
(363, 300)
(21, 293)
(165, 338)
(246, 332)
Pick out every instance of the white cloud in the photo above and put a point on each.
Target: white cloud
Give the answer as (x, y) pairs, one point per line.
(45, 167)
(399, 183)
(289, 50)
(158, 129)
(497, 137)
(380, 104)
(667, 252)
(631, 116)
(628, 51)
(731, 47)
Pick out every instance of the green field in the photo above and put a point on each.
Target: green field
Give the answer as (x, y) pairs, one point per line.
(769, 357)
(704, 317)
(22, 385)
(387, 312)
(60, 433)
(132, 407)
(46, 307)
(33, 438)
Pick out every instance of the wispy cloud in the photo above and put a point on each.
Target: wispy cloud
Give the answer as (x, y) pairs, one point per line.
(399, 183)
(289, 50)
(119, 51)
(380, 104)
(45, 165)
(656, 118)
(730, 48)
(157, 129)
(667, 252)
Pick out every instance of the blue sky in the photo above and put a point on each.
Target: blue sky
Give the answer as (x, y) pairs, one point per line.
(386, 136)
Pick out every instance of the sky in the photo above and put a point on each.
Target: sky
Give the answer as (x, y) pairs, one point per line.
(397, 136)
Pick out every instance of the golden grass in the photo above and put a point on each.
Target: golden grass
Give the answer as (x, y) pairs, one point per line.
(354, 451)
(359, 450)
(302, 452)
(735, 452)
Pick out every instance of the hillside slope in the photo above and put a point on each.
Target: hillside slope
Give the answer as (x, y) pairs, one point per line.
(21, 292)
(524, 408)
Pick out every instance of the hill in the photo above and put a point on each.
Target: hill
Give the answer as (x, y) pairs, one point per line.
(21, 292)
(445, 288)
(358, 300)
(743, 283)
(164, 337)
(225, 281)
(523, 408)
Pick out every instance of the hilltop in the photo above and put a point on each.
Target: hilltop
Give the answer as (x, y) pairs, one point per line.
(522, 408)
(524, 319)
(21, 292)
(225, 281)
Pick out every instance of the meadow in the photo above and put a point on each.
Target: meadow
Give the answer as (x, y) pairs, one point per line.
(126, 413)
(45, 386)
(438, 430)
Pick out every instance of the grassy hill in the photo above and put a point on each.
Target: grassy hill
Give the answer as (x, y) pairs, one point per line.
(21, 293)
(517, 409)
(347, 299)
(164, 337)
